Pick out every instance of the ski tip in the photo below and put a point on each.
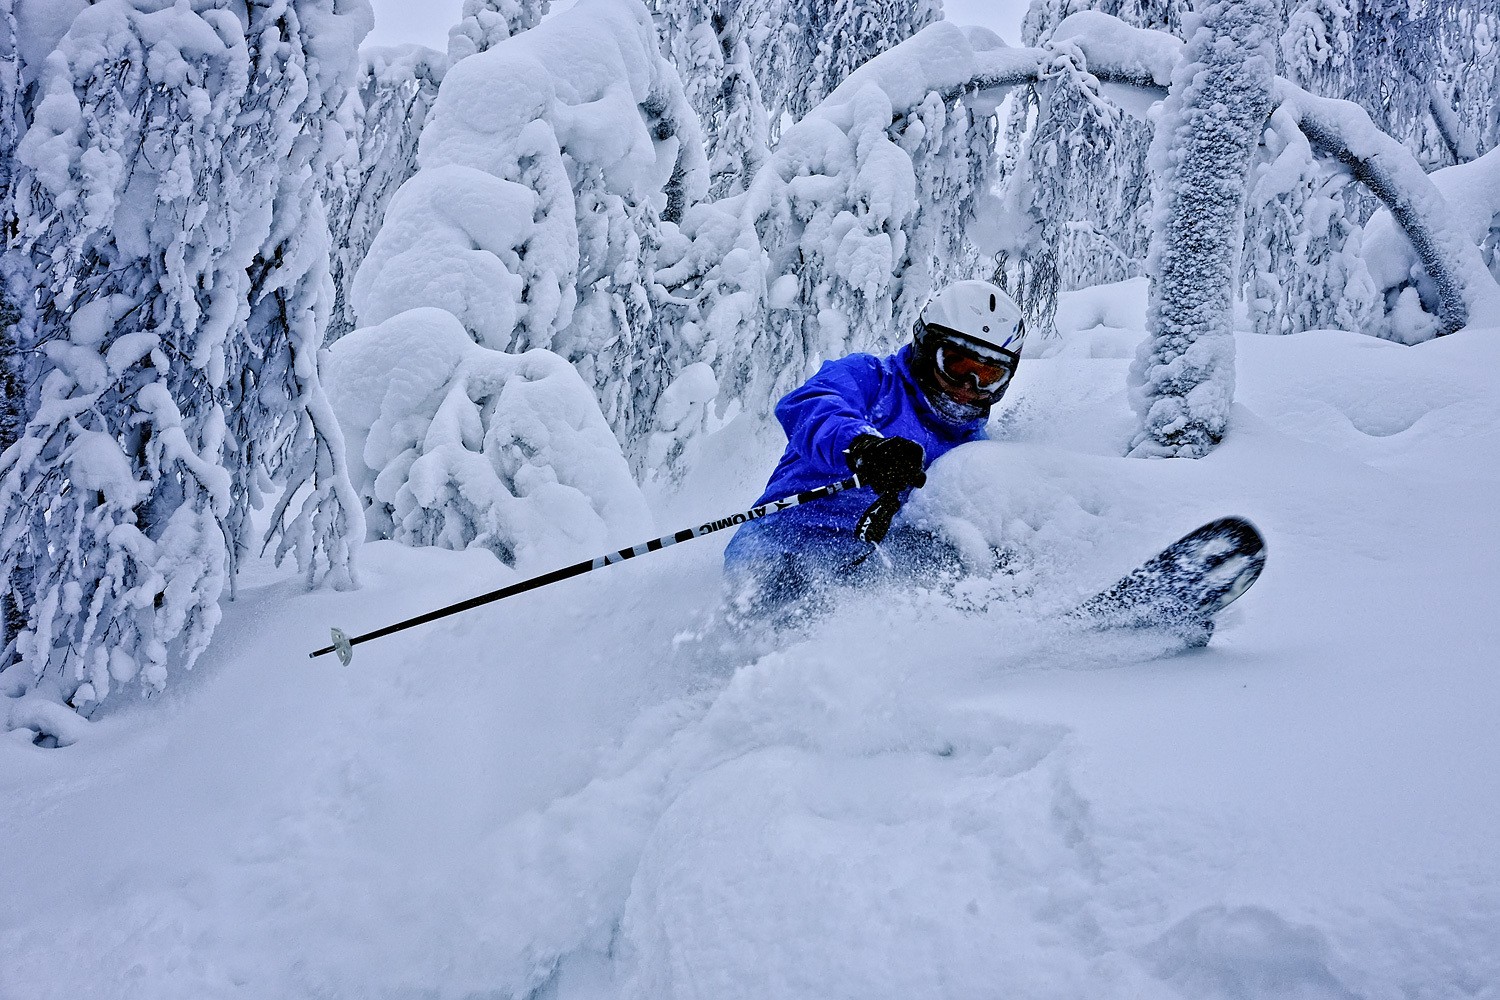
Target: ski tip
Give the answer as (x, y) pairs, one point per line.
(1246, 536)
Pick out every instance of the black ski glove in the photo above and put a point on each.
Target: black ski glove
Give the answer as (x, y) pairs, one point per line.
(887, 465)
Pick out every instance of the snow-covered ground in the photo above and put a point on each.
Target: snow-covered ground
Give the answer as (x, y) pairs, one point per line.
(926, 795)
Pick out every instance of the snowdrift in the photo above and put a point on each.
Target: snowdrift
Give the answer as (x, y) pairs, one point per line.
(584, 794)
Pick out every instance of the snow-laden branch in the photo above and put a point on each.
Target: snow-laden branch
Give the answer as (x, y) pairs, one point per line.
(976, 64)
(1117, 52)
(1465, 289)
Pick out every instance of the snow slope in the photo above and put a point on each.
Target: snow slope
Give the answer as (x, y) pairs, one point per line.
(922, 796)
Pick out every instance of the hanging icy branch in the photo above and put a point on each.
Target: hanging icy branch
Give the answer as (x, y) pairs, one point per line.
(1088, 48)
(1182, 380)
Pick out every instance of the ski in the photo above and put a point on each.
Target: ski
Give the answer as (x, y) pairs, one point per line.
(1185, 585)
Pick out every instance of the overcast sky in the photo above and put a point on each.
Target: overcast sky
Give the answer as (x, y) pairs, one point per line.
(428, 21)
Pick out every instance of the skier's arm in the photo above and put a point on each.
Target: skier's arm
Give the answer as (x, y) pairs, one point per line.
(830, 410)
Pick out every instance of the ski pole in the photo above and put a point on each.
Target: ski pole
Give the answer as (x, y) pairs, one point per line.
(343, 644)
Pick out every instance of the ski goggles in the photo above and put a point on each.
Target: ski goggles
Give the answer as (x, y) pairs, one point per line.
(985, 372)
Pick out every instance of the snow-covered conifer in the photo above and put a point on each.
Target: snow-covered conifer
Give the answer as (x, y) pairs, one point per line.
(167, 199)
(536, 221)
(397, 88)
(803, 49)
(456, 445)
(304, 61)
(1182, 381)
(701, 39)
(486, 23)
(858, 215)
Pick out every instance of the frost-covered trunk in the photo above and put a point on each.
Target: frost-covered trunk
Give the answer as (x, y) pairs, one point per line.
(856, 31)
(1182, 381)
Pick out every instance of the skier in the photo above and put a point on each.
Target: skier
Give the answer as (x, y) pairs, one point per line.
(886, 419)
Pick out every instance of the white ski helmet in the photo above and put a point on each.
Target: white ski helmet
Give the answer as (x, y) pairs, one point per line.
(979, 311)
(966, 347)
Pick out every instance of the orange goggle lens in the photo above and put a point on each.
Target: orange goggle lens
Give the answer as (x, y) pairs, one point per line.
(964, 368)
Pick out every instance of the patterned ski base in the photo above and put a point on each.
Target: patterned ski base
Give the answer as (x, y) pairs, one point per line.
(1184, 585)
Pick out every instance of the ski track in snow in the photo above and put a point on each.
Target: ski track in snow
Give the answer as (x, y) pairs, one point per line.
(921, 795)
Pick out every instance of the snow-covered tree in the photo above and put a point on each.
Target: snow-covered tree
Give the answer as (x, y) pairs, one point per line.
(1301, 265)
(1467, 88)
(803, 49)
(16, 313)
(536, 221)
(1078, 177)
(1079, 174)
(858, 215)
(486, 23)
(701, 39)
(304, 59)
(1182, 381)
(1379, 54)
(1420, 70)
(12, 285)
(464, 447)
(396, 91)
(167, 199)
(854, 32)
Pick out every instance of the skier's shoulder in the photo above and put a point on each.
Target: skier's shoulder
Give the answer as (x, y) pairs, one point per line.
(859, 373)
(858, 365)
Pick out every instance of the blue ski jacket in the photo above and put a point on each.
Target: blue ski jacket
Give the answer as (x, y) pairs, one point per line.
(858, 394)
